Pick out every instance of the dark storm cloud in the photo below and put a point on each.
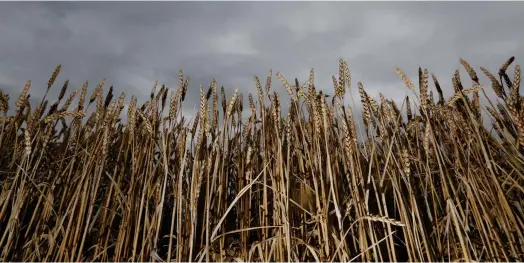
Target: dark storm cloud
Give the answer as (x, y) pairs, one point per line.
(134, 43)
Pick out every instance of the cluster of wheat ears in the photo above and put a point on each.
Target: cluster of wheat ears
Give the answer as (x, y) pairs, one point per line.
(428, 183)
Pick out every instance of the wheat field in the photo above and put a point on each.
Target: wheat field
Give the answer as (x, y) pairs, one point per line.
(102, 178)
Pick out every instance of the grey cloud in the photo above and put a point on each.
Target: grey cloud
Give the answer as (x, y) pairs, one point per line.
(133, 43)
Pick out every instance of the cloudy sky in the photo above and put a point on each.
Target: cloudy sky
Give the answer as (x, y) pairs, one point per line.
(134, 43)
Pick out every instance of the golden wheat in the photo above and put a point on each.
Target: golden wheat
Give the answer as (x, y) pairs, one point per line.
(291, 181)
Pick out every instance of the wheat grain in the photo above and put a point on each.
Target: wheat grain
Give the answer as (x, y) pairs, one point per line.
(514, 93)
(494, 82)
(23, 96)
(232, 102)
(268, 81)
(506, 64)
(54, 76)
(404, 78)
(69, 100)
(286, 84)
(423, 88)
(469, 69)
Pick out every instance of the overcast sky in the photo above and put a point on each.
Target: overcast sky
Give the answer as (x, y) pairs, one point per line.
(134, 43)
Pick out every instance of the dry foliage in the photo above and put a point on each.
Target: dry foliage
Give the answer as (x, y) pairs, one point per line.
(435, 186)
